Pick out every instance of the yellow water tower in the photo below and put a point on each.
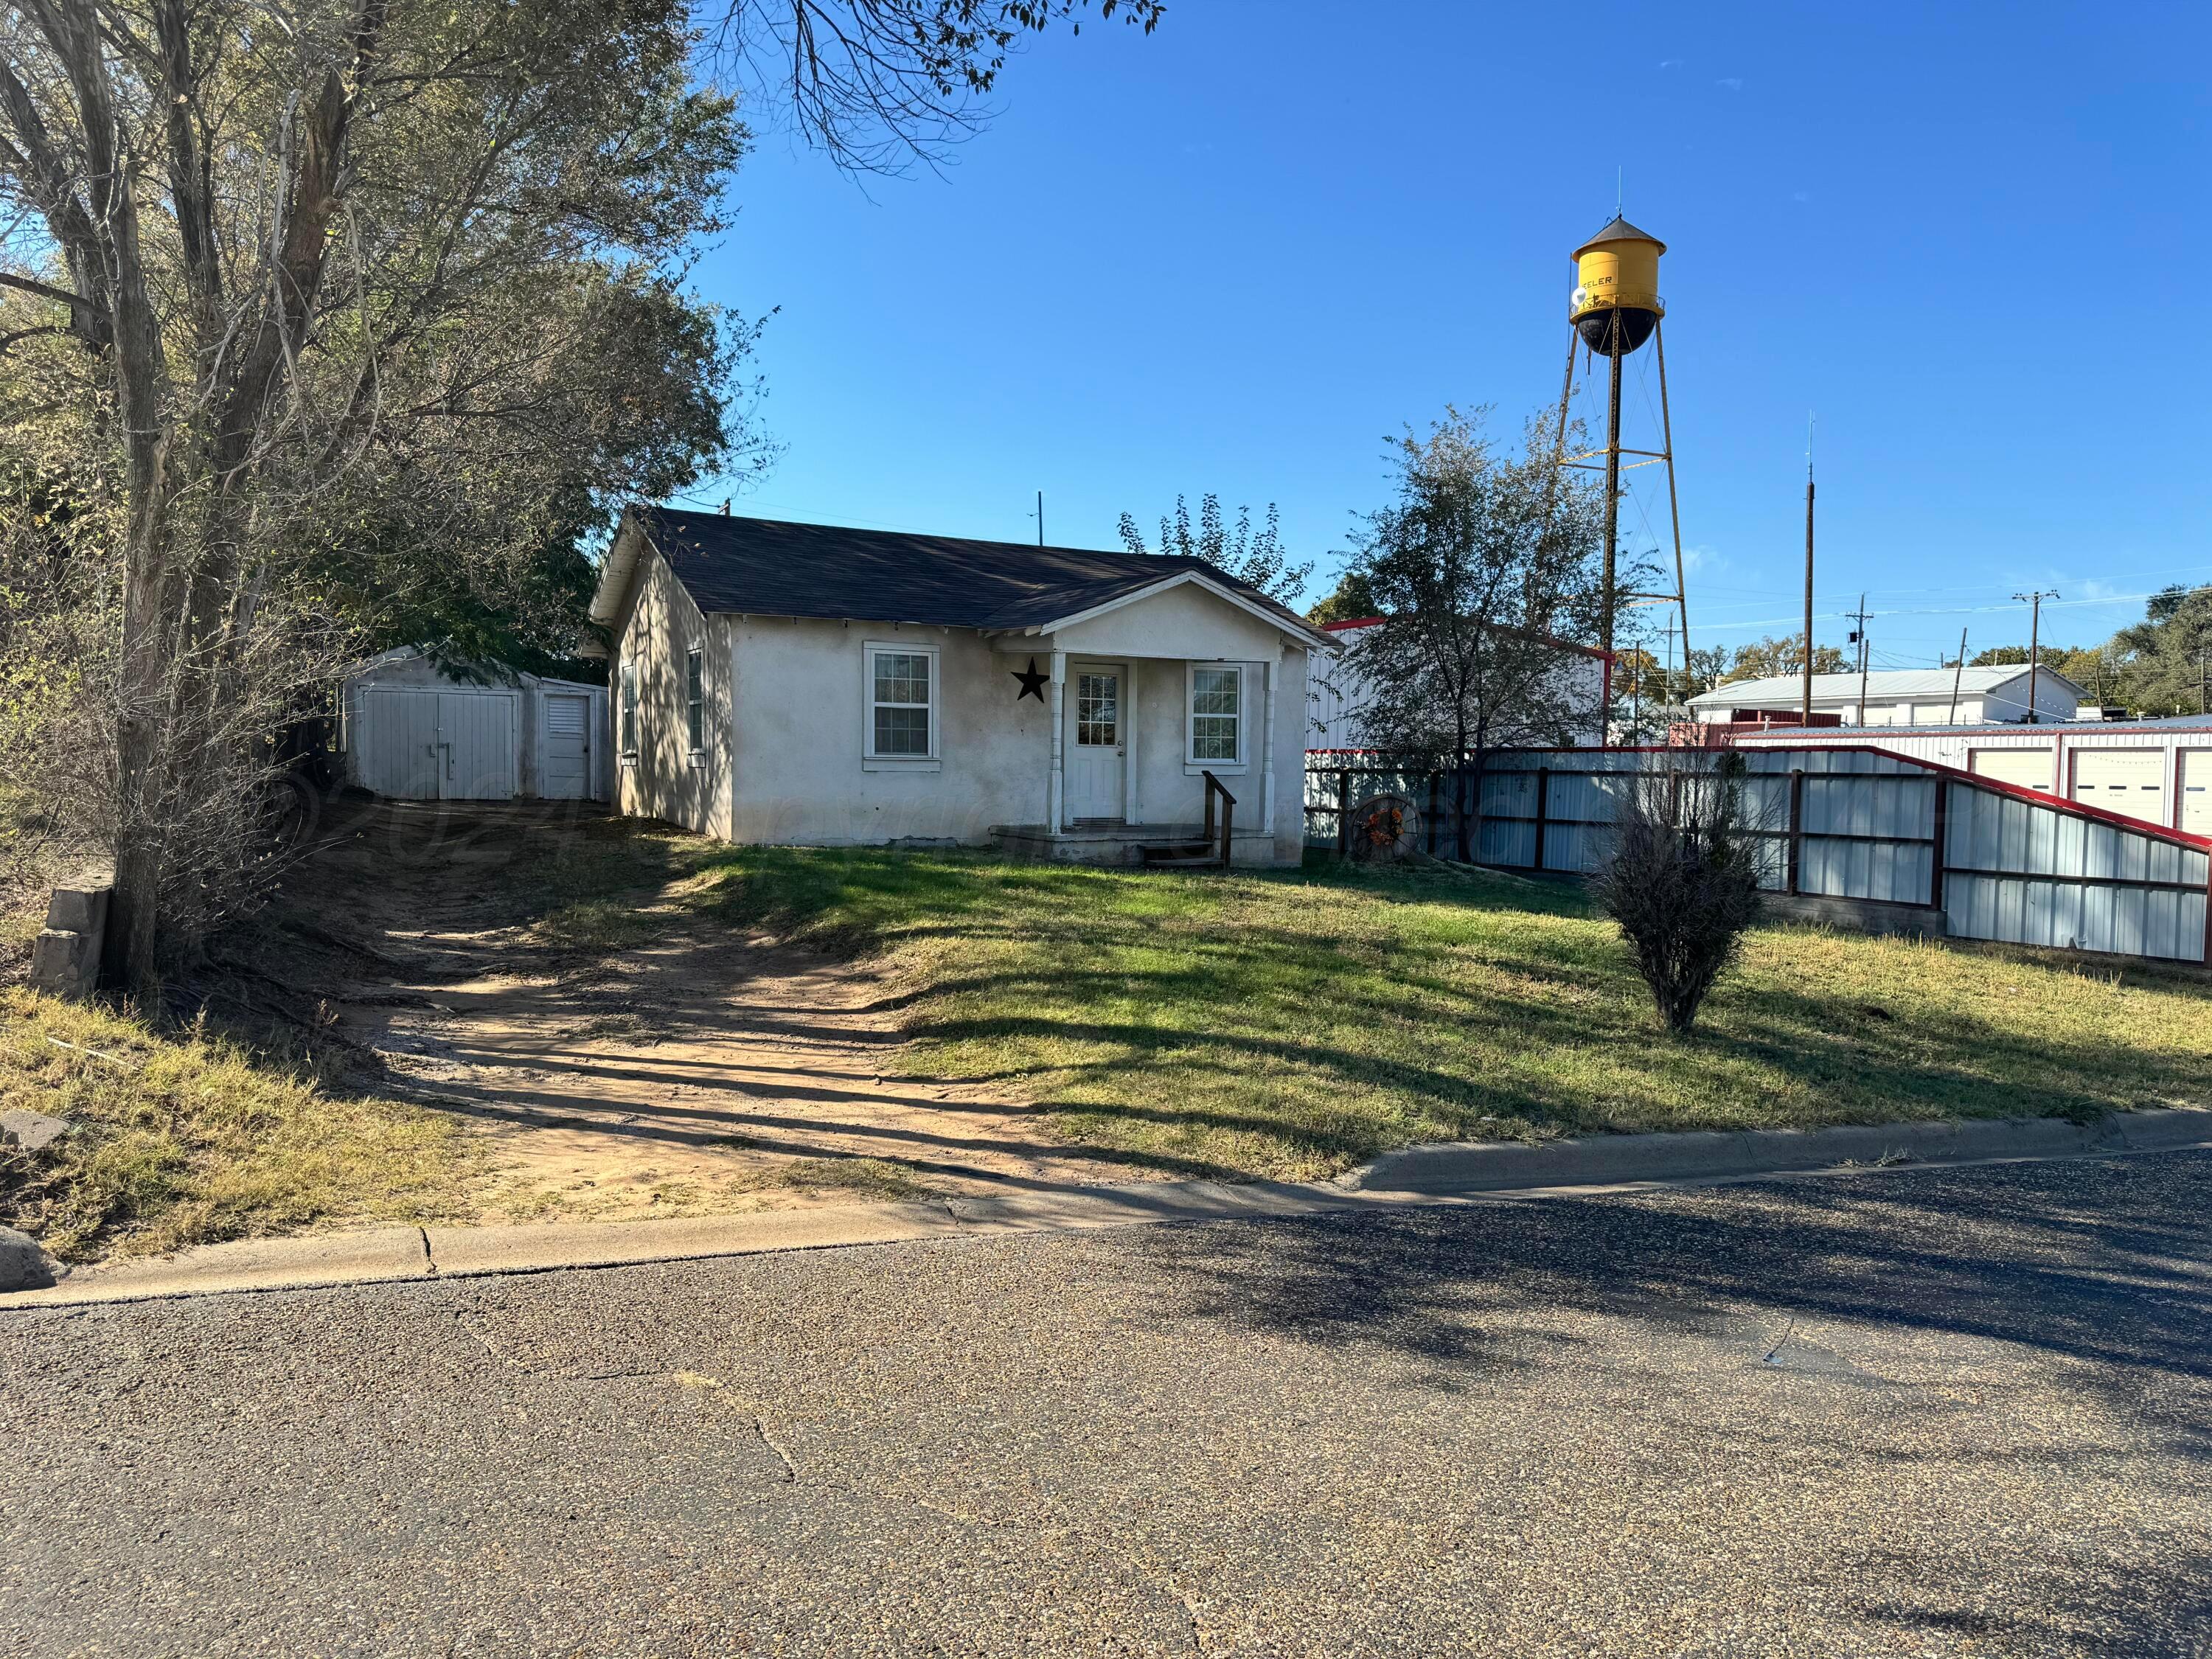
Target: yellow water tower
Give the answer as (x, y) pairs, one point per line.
(1616, 302)
(1615, 309)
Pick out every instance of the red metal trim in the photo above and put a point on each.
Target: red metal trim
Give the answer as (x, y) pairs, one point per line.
(2119, 820)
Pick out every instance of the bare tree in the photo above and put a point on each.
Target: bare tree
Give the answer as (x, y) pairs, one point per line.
(878, 84)
(1256, 558)
(1681, 878)
(1485, 570)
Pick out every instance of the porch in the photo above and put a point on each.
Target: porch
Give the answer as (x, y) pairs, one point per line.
(1183, 846)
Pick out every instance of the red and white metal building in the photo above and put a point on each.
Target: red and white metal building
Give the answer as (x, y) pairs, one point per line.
(2157, 772)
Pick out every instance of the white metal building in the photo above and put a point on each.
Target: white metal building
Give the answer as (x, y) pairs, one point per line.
(1337, 697)
(410, 731)
(1899, 697)
(2158, 771)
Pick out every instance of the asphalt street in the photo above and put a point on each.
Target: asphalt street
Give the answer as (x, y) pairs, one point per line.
(1917, 1411)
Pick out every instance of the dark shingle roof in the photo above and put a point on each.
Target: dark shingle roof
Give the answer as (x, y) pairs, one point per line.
(769, 567)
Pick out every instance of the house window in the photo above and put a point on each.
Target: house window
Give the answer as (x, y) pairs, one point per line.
(1216, 713)
(694, 703)
(902, 702)
(629, 744)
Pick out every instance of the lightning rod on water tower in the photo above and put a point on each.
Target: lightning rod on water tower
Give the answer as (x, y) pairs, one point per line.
(1615, 309)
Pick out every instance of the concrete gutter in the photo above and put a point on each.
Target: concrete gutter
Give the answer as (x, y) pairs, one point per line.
(1464, 1173)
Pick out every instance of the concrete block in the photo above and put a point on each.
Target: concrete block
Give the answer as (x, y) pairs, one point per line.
(23, 1265)
(65, 963)
(79, 909)
(33, 1131)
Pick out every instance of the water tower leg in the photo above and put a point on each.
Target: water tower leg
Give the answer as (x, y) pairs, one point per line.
(1612, 499)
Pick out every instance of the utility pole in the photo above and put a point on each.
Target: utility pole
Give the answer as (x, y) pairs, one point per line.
(1040, 516)
(1958, 673)
(2202, 653)
(2034, 601)
(1859, 639)
(1805, 713)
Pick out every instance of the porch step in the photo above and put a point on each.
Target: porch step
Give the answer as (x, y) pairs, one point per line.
(1180, 856)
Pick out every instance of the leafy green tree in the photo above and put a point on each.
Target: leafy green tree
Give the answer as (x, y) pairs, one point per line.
(2168, 654)
(1257, 558)
(1484, 559)
(1351, 599)
(1776, 657)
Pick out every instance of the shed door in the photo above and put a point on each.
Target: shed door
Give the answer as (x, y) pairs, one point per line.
(2197, 791)
(2028, 767)
(475, 732)
(399, 752)
(2130, 780)
(565, 768)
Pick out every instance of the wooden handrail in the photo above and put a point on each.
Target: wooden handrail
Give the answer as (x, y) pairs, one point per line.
(1213, 787)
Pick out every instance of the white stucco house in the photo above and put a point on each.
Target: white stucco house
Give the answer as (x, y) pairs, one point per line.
(1897, 696)
(813, 684)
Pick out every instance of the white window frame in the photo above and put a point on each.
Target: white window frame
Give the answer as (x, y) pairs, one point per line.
(629, 721)
(1191, 765)
(695, 705)
(869, 760)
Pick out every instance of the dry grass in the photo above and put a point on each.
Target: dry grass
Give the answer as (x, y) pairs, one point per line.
(187, 1139)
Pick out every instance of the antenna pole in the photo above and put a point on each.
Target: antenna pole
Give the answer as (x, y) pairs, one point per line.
(1805, 713)
(2034, 602)
(1958, 673)
(1040, 518)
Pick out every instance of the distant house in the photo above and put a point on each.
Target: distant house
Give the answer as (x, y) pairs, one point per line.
(1896, 696)
(813, 684)
(1338, 696)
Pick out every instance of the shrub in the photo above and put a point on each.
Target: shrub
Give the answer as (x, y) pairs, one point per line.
(1681, 880)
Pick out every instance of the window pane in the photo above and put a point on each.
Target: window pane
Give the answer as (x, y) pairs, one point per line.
(902, 732)
(695, 712)
(1214, 695)
(902, 679)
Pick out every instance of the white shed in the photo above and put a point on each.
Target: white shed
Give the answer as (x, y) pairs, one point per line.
(413, 732)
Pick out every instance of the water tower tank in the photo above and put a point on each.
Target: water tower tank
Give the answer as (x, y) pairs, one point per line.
(1616, 302)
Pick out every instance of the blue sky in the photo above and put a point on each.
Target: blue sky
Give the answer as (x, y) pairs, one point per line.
(1236, 254)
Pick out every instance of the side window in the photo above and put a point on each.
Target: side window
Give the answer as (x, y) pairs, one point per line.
(902, 703)
(694, 703)
(1216, 713)
(629, 742)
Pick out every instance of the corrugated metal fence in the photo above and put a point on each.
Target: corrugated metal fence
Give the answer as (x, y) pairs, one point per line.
(1983, 859)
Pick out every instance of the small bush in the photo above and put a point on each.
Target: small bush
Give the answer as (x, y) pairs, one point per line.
(1681, 881)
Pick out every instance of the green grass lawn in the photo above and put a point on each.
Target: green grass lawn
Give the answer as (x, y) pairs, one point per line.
(1295, 1024)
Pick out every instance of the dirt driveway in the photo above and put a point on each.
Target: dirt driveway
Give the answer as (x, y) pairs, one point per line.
(527, 966)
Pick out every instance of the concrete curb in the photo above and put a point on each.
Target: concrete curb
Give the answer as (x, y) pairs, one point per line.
(1496, 1166)
(1462, 1173)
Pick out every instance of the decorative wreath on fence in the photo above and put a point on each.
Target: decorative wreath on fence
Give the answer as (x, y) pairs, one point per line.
(1384, 827)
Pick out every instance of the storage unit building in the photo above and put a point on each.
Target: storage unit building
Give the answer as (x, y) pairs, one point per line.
(413, 732)
(2156, 771)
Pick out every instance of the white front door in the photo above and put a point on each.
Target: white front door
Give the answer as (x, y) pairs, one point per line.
(1098, 741)
(565, 763)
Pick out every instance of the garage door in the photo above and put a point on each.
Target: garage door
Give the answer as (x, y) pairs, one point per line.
(2128, 780)
(2197, 791)
(568, 755)
(438, 745)
(2028, 767)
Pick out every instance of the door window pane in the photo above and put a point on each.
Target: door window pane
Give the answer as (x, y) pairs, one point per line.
(1098, 710)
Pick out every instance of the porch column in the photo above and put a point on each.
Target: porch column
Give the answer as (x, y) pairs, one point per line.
(1056, 792)
(1268, 681)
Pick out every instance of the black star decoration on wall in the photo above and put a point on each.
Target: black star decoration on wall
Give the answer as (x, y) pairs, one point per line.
(1033, 682)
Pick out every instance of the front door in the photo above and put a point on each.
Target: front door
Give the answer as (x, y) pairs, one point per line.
(1097, 746)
